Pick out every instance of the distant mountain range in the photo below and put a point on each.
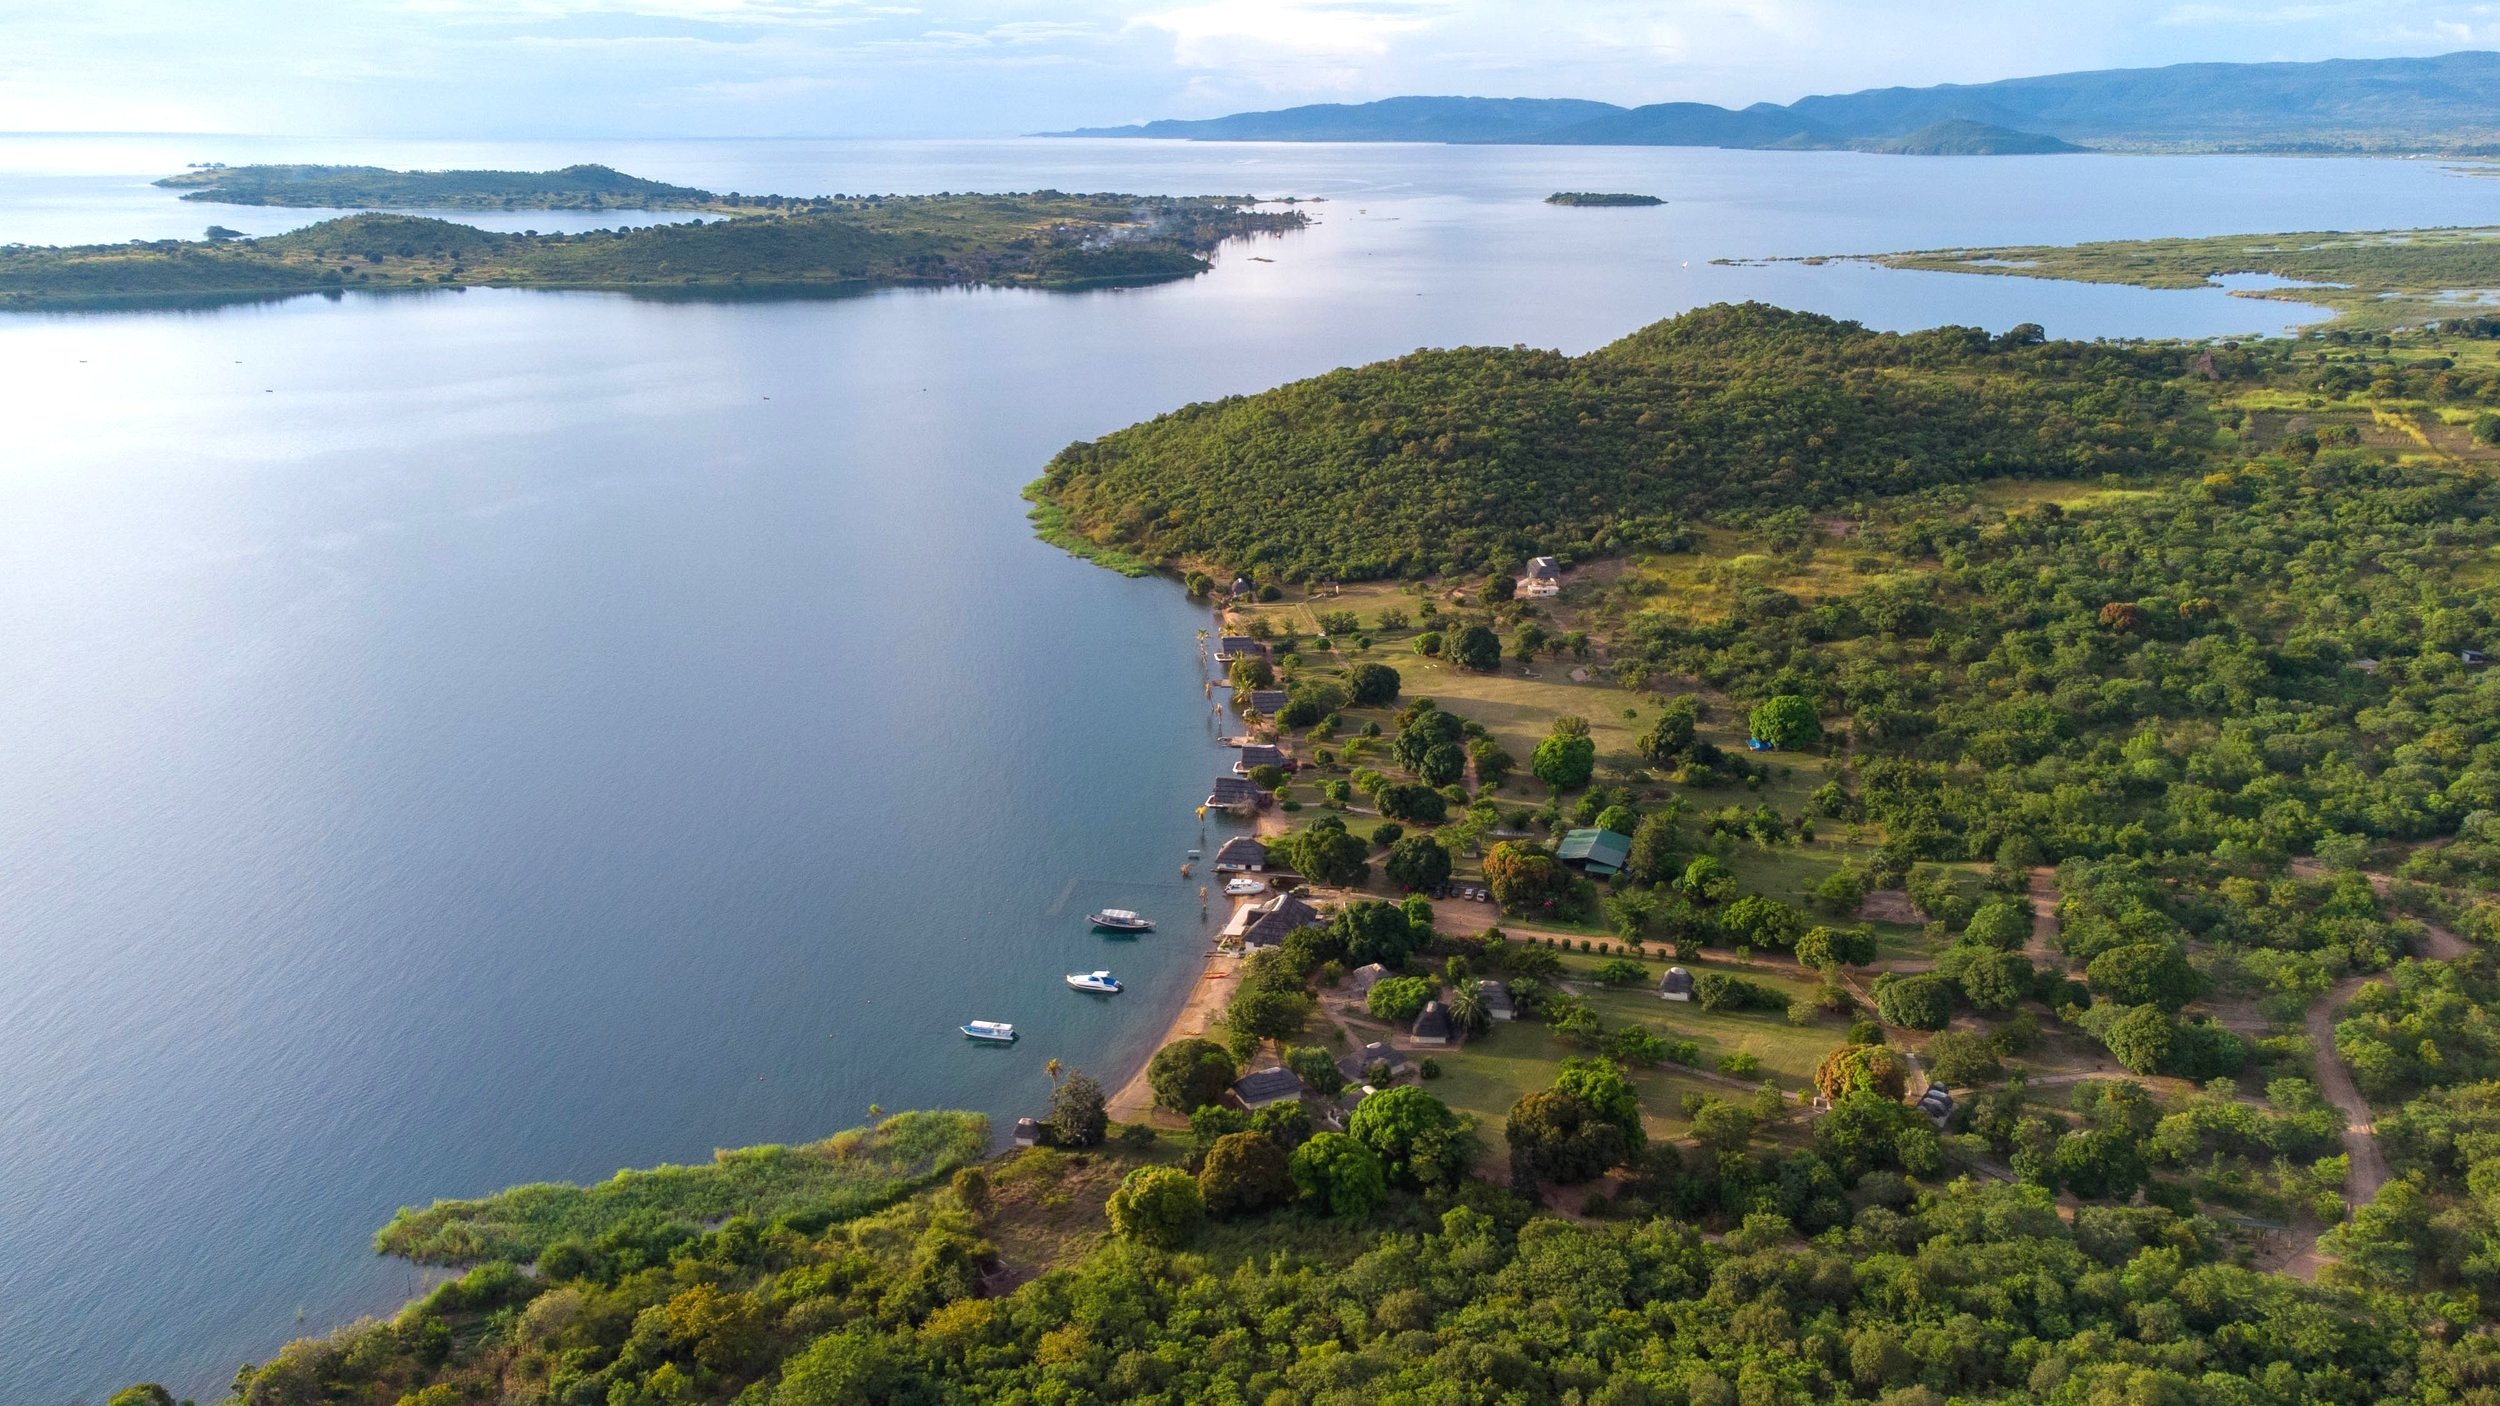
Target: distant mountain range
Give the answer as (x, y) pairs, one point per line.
(2448, 104)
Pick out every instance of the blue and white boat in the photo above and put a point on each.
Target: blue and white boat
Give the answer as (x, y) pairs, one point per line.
(995, 1031)
(1103, 983)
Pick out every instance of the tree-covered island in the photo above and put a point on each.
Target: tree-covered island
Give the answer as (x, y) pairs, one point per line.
(1600, 198)
(585, 187)
(1042, 239)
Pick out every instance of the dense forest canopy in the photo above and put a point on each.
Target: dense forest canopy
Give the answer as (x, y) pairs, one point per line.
(1467, 459)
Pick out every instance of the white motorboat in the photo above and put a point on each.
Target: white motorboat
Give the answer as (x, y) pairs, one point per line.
(1243, 887)
(1120, 920)
(1103, 983)
(995, 1031)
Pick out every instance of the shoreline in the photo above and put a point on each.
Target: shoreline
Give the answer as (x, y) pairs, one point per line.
(1132, 1099)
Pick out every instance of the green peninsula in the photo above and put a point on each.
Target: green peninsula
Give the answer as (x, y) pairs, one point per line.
(2372, 279)
(1044, 239)
(585, 187)
(1468, 457)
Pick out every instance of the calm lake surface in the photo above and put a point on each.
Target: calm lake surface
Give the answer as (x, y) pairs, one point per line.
(462, 738)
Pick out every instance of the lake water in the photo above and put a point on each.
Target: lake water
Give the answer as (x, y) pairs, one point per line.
(461, 738)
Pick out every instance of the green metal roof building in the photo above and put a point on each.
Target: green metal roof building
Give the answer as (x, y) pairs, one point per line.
(1598, 852)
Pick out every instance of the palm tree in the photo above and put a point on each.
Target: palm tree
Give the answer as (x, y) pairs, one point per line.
(1052, 1069)
(1468, 1011)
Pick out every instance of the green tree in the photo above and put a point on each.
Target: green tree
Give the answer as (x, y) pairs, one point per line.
(1316, 1069)
(2139, 1038)
(1723, 1126)
(1244, 1172)
(1341, 1174)
(1999, 924)
(1412, 803)
(1493, 765)
(1670, 739)
(1372, 685)
(1707, 880)
(1760, 923)
(1558, 1138)
(1961, 1058)
(1419, 1140)
(1523, 876)
(1630, 913)
(1325, 853)
(1915, 1002)
(2145, 974)
(1996, 981)
(1786, 722)
(144, 1394)
(1374, 931)
(1398, 998)
(1477, 648)
(1862, 1068)
(1158, 1205)
(1076, 1112)
(1564, 761)
(1602, 1086)
(1187, 1075)
(1828, 946)
(1418, 862)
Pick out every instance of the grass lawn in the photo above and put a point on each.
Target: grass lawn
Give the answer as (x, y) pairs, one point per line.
(1486, 1076)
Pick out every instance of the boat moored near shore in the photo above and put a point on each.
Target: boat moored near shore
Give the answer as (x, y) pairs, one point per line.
(1120, 920)
(1099, 982)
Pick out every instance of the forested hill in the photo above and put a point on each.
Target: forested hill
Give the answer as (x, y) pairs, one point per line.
(1447, 461)
(2446, 103)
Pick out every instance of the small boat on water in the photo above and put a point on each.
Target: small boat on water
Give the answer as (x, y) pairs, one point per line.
(1120, 920)
(995, 1031)
(1193, 854)
(1102, 983)
(1245, 886)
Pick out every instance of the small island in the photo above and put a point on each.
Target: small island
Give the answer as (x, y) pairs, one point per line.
(1041, 239)
(584, 187)
(1600, 198)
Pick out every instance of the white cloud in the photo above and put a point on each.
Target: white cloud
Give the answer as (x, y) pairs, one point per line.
(971, 67)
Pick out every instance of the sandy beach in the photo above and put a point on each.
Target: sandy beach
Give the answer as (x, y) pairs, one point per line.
(1134, 1102)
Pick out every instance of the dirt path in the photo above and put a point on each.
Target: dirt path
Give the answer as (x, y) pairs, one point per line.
(2042, 949)
(2369, 1165)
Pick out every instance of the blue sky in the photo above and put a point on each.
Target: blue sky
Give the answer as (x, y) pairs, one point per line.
(482, 68)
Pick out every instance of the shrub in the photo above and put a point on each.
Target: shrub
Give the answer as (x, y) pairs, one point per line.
(1315, 1068)
(1244, 1172)
(1340, 1173)
(1915, 1002)
(1861, 1068)
(1621, 971)
(1398, 998)
(1717, 991)
(1187, 1075)
(1158, 1206)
